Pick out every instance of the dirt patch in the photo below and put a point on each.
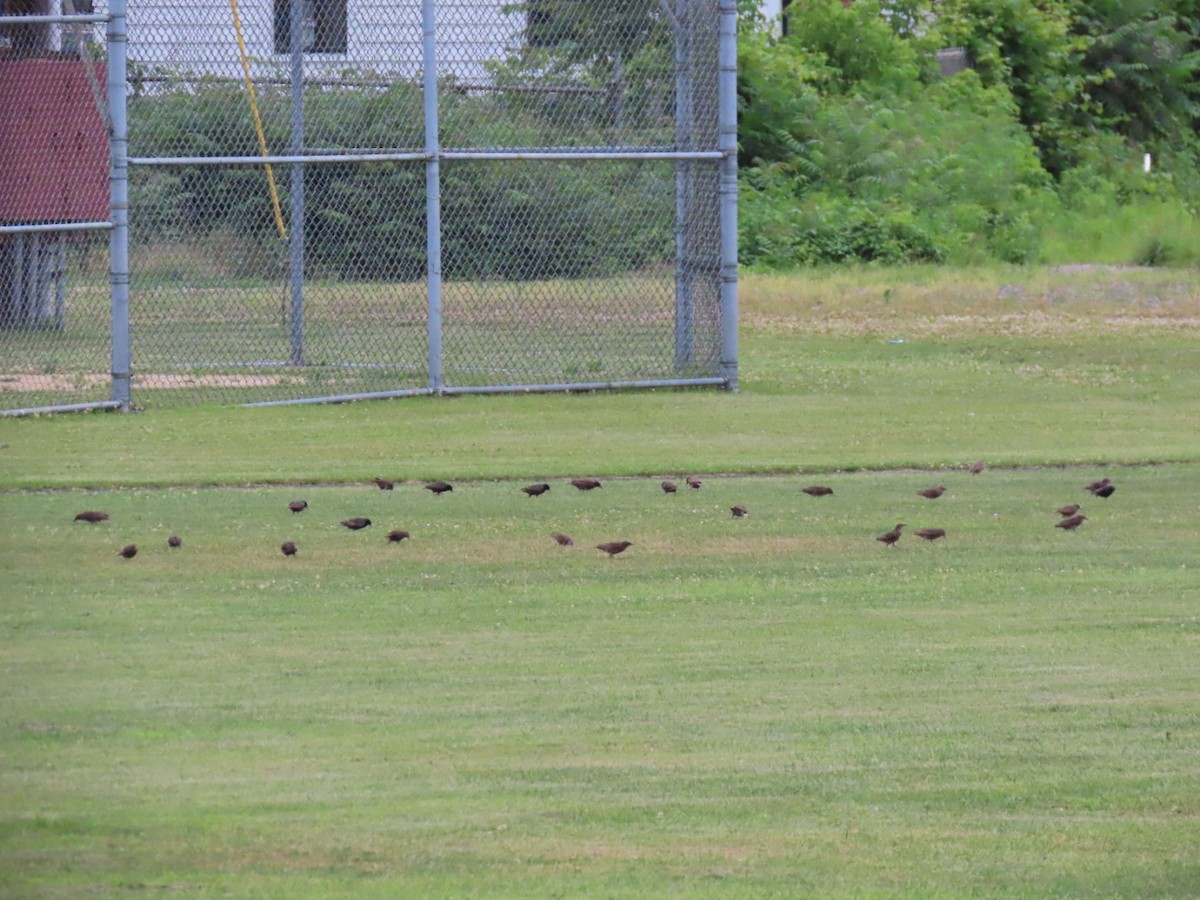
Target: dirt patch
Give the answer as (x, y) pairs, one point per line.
(62, 383)
(22, 382)
(152, 380)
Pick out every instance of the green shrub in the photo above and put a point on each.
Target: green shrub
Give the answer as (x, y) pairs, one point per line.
(367, 221)
(945, 172)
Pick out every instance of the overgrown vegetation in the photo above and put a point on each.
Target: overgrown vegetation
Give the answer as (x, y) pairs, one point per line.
(853, 146)
(554, 219)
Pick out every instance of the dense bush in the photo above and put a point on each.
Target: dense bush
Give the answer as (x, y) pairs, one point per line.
(853, 147)
(367, 221)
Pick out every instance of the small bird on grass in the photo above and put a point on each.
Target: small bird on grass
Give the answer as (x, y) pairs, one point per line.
(288, 548)
(298, 506)
(1071, 522)
(439, 487)
(1105, 491)
(129, 551)
(890, 537)
(586, 484)
(817, 490)
(1096, 486)
(669, 487)
(396, 536)
(535, 490)
(739, 511)
(933, 493)
(930, 534)
(1069, 510)
(693, 482)
(92, 516)
(563, 540)
(356, 523)
(383, 484)
(976, 467)
(174, 541)
(612, 548)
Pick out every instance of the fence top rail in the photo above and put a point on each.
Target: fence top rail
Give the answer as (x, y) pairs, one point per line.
(422, 156)
(55, 226)
(81, 18)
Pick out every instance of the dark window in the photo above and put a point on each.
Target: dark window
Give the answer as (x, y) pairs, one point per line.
(323, 26)
(25, 40)
(785, 19)
(546, 25)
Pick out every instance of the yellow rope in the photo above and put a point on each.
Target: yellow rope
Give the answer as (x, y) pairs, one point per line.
(258, 125)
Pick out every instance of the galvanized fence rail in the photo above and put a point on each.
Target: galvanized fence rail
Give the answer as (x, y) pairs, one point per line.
(313, 200)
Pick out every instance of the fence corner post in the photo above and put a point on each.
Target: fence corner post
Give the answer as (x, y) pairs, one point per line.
(118, 181)
(433, 196)
(728, 191)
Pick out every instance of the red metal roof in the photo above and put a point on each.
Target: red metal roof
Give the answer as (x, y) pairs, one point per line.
(53, 145)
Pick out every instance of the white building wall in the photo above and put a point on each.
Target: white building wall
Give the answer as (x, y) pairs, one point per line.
(199, 36)
(381, 36)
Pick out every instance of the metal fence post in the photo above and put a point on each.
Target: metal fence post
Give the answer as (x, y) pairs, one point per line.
(433, 196)
(122, 363)
(728, 191)
(684, 309)
(296, 289)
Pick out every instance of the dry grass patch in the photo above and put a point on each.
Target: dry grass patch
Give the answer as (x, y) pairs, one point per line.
(939, 303)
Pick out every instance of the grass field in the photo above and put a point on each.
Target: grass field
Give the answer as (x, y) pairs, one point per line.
(770, 706)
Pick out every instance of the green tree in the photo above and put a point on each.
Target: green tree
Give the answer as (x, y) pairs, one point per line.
(859, 44)
(1032, 47)
(1143, 62)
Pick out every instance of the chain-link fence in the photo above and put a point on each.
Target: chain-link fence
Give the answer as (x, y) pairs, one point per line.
(328, 199)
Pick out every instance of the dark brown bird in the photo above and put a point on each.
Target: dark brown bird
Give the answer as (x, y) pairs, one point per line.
(174, 541)
(976, 467)
(892, 536)
(817, 490)
(564, 540)
(288, 548)
(383, 484)
(91, 515)
(395, 537)
(612, 548)
(1097, 485)
(586, 484)
(693, 482)
(1105, 491)
(535, 490)
(739, 511)
(298, 506)
(439, 487)
(129, 551)
(1071, 522)
(930, 534)
(669, 487)
(356, 523)
(933, 493)
(1069, 510)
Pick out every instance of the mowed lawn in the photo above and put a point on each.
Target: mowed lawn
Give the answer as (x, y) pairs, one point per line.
(771, 706)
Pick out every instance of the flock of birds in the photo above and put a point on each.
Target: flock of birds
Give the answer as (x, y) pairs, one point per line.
(1070, 515)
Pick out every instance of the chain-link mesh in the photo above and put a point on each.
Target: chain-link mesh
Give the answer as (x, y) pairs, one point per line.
(571, 277)
(54, 306)
(279, 203)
